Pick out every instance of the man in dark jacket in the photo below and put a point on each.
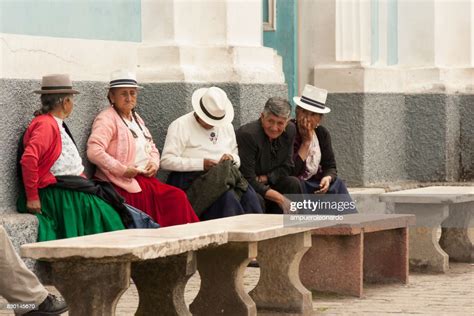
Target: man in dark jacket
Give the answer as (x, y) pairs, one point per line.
(265, 150)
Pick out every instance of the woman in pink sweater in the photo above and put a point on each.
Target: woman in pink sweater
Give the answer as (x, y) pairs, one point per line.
(122, 148)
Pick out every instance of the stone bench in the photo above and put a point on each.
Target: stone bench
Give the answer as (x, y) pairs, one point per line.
(362, 247)
(93, 271)
(278, 249)
(448, 206)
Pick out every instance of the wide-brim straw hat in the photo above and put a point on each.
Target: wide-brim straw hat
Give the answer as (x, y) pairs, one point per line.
(213, 106)
(123, 79)
(57, 83)
(313, 99)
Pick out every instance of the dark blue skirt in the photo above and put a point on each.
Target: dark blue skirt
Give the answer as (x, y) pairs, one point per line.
(226, 205)
(337, 187)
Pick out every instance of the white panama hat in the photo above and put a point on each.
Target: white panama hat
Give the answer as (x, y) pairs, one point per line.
(123, 79)
(313, 99)
(212, 106)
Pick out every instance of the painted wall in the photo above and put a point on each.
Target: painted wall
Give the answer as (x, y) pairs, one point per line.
(118, 20)
(285, 40)
(317, 35)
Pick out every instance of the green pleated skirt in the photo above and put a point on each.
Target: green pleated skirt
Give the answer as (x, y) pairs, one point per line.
(68, 213)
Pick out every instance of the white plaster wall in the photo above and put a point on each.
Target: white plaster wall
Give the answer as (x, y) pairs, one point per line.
(416, 37)
(206, 41)
(452, 33)
(472, 34)
(158, 21)
(317, 37)
(435, 46)
(31, 57)
(244, 23)
(347, 30)
(201, 22)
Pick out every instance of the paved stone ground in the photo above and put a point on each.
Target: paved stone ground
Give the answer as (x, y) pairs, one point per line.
(440, 294)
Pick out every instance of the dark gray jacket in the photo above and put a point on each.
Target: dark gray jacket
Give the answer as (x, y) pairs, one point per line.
(260, 156)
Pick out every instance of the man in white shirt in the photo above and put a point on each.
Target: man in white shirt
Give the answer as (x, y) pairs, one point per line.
(201, 140)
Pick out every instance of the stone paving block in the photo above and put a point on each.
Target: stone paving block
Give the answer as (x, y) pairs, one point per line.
(427, 294)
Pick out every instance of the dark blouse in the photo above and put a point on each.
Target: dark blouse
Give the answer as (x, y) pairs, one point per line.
(260, 156)
(327, 166)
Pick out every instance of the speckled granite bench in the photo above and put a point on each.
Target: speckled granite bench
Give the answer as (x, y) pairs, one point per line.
(452, 207)
(278, 249)
(371, 248)
(93, 271)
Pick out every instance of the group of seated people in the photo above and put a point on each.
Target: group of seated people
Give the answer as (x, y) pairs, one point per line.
(215, 171)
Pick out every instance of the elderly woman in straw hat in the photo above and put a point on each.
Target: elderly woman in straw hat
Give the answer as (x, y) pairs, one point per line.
(314, 159)
(201, 150)
(47, 152)
(122, 148)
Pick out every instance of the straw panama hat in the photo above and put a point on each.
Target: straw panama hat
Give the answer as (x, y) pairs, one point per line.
(213, 106)
(313, 99)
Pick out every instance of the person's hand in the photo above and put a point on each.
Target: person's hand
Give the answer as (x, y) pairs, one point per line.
(226, 157)
(209, 163)
(262, 179)
(305, 130)
(150, 170)
(324, 185)
(285, 205)
(34, 207)
(131, 172)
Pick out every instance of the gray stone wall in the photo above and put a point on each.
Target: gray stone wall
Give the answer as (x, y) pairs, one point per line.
(17, 104)
(384, 138)
(378, 138)
(159, 104)
(162, 103)
(347, 134)
(467, 136)
(395, 138)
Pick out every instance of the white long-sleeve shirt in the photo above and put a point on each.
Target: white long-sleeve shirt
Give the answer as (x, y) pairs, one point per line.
(187, 144)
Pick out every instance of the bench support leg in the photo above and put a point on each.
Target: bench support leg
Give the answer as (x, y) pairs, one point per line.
(455, 239)
(386, 256)
(279, 290)
(161, 282)
(425, 251)
(91, 288)
(222, 270)
(334, 264)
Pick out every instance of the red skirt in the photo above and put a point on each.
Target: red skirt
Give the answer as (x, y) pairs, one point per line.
(168, 205)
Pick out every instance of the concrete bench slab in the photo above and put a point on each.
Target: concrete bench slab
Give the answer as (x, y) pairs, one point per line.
(278, 249)
(448, 206)
(362, 247)
(92, 272)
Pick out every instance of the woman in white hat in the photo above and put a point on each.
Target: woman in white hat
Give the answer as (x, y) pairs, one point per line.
(122, 148)
(47, 152)
(204, 140)
(314, 159)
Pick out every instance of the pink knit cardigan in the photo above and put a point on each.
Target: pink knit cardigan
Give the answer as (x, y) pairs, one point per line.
(111, 147)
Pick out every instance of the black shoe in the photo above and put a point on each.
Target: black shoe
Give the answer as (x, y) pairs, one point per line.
(253, 264)
(50, 306)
